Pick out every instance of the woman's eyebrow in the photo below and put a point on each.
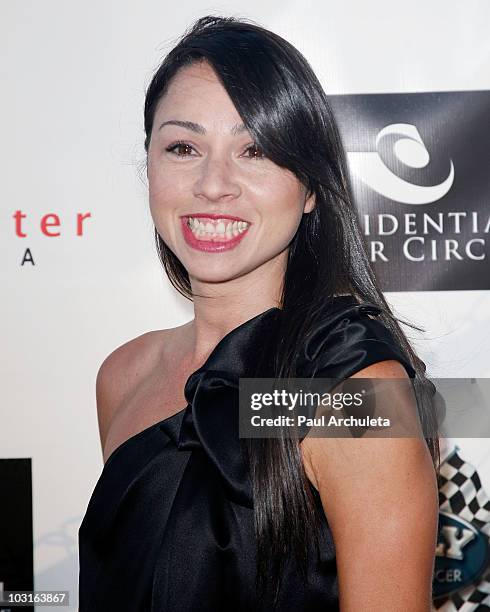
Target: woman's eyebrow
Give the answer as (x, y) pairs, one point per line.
(196, 127)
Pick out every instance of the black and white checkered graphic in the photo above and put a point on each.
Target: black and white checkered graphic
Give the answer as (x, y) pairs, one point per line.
(461, 493)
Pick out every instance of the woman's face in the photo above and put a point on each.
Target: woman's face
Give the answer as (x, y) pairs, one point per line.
(222, 207)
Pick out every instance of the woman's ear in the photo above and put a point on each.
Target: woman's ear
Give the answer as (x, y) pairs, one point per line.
(310, 201)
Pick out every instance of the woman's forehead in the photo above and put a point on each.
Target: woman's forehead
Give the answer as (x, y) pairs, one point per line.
(200, 98)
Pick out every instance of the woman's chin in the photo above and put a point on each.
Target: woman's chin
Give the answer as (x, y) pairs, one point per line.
(214, 277)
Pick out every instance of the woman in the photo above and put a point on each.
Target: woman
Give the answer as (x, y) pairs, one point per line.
(255, 224)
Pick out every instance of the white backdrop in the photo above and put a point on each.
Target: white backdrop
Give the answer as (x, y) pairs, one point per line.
(73, 77)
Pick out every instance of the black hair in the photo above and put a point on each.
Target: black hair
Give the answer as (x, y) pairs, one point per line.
(286, 111)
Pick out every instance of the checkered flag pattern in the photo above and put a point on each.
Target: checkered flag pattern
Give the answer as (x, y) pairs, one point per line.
(461, 493)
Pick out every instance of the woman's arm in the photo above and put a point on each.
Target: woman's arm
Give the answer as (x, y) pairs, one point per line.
(380, 497)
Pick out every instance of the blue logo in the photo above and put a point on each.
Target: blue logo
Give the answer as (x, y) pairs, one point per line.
(462, 555)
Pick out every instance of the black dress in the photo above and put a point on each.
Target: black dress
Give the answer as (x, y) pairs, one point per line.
(169, 526)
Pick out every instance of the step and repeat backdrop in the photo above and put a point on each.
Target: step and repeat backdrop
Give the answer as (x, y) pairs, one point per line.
(410, 87)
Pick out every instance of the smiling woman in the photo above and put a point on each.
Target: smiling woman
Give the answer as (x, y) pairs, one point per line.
(254, 222)
(212, 187)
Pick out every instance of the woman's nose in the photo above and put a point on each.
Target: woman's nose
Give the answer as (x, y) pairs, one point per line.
(216, 180)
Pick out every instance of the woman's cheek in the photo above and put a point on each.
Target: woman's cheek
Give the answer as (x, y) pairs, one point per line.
(159, 213)
(160, 189)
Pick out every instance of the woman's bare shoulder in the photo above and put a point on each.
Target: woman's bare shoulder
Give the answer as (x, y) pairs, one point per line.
(128, 361)
(128, 365)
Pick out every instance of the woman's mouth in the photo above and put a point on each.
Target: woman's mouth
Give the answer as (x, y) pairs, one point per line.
(213, 234)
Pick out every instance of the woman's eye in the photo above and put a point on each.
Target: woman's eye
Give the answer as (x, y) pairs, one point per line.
(180, 148)
(257, 153)
(183, 149)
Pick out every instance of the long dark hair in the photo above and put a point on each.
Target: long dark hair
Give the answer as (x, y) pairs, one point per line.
(285, 109)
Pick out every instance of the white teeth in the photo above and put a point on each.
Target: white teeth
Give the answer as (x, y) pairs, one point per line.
(221, 228)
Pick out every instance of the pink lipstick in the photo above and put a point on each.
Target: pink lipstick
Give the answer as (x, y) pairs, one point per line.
(212, 232)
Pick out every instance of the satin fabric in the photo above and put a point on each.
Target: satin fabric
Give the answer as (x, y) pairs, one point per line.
(169, 526)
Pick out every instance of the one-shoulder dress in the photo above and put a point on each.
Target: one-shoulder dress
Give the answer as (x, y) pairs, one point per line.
(170, 527)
